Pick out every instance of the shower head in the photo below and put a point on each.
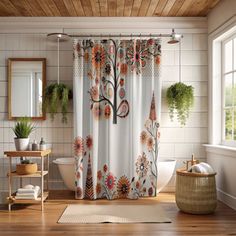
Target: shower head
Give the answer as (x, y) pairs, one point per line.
(61, 36)
(174, 37)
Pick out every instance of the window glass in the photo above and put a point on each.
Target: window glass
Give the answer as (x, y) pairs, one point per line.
(234, 125)
(228, 90)
(234, 88)
(228, 124)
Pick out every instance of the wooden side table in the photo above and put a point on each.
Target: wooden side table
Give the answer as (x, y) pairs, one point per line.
(39, 174)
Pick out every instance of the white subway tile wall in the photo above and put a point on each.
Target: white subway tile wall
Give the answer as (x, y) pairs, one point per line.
(176, 142)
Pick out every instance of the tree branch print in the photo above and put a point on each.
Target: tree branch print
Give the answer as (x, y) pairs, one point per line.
(150, 139)
(108, 79)
(110, 61)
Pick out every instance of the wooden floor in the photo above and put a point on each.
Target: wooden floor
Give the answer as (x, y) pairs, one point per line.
(29, 221)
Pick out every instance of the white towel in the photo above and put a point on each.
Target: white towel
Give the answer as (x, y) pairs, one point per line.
(26, 197)
(24, 193)
(207, 167)
(29, 186)
(28, 190)
(201, 168)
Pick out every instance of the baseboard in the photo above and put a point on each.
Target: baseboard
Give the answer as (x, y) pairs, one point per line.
(226, 198)
(168, 189)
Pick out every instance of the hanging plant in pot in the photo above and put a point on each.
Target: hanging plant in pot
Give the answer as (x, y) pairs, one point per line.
(180, 99)
(23, 128)
(179, 96)
(57, 97)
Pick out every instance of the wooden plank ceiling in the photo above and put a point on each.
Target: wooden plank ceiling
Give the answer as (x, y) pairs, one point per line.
(106, 7)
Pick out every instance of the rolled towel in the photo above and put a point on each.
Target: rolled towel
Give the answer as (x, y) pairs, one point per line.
(207, 167)
(28, 186)
(201, 168)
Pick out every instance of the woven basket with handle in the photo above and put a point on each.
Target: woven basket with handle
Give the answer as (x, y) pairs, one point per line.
(195, 192)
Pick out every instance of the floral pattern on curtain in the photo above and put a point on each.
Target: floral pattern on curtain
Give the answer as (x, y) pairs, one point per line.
(116, 89)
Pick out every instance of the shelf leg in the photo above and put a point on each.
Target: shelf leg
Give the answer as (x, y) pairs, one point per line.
(42, 182)
(9, 206)
(9, 182)
(48, 172)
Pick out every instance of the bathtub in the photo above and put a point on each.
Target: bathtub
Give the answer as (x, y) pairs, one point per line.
(66, 168)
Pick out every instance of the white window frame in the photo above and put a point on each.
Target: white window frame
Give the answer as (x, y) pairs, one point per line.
(231, 143)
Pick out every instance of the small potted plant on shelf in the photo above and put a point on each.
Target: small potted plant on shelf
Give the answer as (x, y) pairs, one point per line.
(180, 98)
(23, 128)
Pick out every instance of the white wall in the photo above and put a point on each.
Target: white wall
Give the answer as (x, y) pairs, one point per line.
(221, 21)
(220, 14)
(21, 38)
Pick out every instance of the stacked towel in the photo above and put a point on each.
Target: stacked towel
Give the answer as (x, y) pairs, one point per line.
(28, 192)
(201, 168)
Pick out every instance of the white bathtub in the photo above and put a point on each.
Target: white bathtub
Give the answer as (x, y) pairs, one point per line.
(66, 168)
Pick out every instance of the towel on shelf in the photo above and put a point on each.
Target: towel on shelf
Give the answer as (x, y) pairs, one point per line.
(26, 197)
(201, 168)
(28, 190)
(28, 193)
(28, 186)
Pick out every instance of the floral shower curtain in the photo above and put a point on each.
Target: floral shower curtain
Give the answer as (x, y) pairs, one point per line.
(116, 110)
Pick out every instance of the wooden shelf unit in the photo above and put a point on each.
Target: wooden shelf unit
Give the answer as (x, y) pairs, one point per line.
(35, 175)
(39, 174)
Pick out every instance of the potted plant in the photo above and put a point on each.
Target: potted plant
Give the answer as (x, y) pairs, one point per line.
(180, 99)
(57, 96)
(22, 130)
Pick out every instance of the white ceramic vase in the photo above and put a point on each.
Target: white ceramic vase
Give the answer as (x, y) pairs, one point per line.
(22, 144)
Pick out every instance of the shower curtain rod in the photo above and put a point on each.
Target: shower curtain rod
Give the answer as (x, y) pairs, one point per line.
(121, 35)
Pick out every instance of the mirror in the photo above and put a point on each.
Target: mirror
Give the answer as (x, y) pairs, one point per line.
(26, 83)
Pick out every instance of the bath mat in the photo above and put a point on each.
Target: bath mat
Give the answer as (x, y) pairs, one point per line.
(92, 214)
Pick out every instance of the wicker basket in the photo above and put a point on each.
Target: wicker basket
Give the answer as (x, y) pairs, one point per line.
(195, 192)
(26, 169)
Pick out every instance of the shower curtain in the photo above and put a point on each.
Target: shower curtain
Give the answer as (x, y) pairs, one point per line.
(116, 117)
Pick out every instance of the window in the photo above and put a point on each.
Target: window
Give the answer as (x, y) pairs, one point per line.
(229, 90)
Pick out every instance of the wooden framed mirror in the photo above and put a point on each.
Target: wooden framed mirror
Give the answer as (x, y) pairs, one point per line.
(26, 85)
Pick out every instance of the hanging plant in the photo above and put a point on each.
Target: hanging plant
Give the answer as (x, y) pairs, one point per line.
(57, 97)
(180, 99)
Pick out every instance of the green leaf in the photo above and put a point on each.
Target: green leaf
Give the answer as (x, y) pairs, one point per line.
(23, 127)
(56, 97)
(180, 98)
